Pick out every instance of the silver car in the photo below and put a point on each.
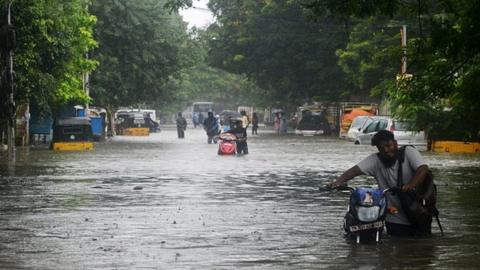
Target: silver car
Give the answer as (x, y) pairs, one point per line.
(358, 125)
(403, 135)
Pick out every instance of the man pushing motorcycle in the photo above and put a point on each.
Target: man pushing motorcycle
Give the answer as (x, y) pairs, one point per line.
(384, 167)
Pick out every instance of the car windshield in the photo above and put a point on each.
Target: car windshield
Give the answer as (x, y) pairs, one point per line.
(367, 122)
(371, 127)
(312, 118)
(383, 124)
(312, 122)
(358, 122)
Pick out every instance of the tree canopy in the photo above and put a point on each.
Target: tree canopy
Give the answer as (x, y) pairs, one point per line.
(372, 55)
(278, 45)
(443, 55)
(142, 47)
(53, 37)
(202, 82)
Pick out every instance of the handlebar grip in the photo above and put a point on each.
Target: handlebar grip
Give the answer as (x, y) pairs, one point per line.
(392, 190)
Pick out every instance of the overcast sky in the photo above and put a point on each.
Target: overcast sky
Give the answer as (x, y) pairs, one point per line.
(198, 15)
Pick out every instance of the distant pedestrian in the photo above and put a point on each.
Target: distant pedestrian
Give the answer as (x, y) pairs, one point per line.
(245, 119)
(201, 118)
(276, 123)
(254, 123)
(283, 124)
(210, 125)
(195, 119)
(181, 126)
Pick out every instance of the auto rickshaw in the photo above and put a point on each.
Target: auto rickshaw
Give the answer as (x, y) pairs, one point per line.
(132, 124)
(72, 134)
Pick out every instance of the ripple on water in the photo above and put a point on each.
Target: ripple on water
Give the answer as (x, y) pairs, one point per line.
(160, 202)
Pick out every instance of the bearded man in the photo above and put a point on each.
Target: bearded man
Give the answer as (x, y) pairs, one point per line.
(383, 166)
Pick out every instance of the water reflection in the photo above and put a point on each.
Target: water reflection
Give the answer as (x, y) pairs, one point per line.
(160, 202)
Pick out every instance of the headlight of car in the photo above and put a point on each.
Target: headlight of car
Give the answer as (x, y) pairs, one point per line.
(368, 214)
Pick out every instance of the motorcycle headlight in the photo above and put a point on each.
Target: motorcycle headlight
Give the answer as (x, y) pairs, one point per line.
(368, 214)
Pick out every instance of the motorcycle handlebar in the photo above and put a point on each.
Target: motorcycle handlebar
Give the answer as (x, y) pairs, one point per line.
(392, 190)
(346, 187)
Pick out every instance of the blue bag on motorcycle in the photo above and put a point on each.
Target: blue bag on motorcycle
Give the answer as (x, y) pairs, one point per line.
(366, 213)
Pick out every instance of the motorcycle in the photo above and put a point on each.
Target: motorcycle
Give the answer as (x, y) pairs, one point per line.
(366, 212)
(227, 144)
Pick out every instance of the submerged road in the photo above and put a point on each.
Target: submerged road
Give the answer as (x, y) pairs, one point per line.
(165, 203)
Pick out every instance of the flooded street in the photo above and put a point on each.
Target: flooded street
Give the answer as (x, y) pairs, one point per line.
(164, 203)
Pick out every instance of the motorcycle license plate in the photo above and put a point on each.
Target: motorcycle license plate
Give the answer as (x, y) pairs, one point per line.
(367, 226)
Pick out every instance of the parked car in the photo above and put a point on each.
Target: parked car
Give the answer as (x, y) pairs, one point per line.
(313, 124)
(377, 124)
(403, 135)
(359, 123)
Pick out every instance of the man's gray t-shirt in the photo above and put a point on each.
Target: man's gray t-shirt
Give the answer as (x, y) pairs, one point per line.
(387, 177)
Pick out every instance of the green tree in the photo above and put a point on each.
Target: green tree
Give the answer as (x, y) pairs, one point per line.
(444, 91)
(226, 90)
(175, 5)
(53, 39)
(276, 45)
(443, 55)
(142, 48)
(372, 56)
(205, 83)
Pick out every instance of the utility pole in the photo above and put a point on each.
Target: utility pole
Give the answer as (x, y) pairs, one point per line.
(86, 80)
(403, 77)
(86, 86)
(8, 41)
(403, 35)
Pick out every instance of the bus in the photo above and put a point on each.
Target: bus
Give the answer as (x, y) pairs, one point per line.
(203, 108)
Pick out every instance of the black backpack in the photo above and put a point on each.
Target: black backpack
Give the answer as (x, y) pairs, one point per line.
(419, 205)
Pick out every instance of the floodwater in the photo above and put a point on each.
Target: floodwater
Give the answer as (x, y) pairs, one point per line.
(165, 203)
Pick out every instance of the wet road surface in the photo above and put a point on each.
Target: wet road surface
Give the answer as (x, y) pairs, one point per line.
(165, 203)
